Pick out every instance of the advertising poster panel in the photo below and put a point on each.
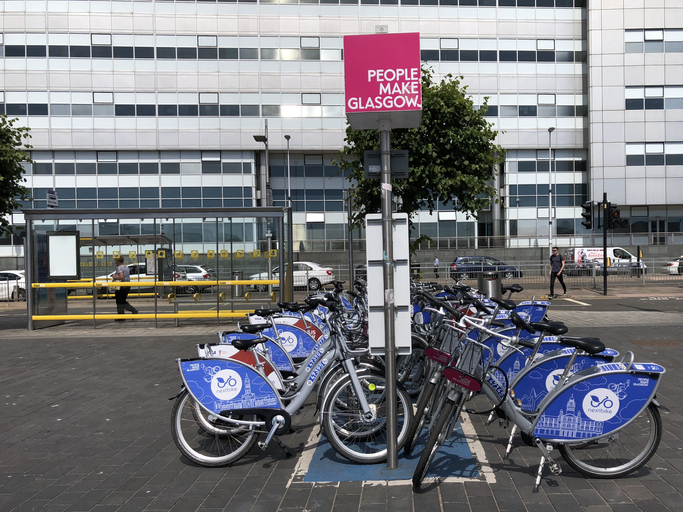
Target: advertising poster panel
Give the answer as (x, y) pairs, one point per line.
(382, 80)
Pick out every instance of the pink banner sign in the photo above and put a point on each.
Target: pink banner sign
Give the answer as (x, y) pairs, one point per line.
(382, 74)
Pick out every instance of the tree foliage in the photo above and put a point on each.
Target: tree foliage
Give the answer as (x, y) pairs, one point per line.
(452, 155)
(13, 152)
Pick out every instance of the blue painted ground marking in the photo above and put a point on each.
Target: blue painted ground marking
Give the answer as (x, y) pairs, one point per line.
(453, 460)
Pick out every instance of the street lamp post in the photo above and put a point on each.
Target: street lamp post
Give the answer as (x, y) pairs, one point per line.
(289, 276)
(289, 176)
(550, 192)
(264, 175)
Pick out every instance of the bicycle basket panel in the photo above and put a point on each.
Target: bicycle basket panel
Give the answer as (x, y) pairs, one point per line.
(295, 341)
(221, 384)
(596, 405)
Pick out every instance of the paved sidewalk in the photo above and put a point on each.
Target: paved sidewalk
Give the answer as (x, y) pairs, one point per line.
(84, 425)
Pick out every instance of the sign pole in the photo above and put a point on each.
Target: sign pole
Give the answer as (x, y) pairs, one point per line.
(389, 303)
(604, 243)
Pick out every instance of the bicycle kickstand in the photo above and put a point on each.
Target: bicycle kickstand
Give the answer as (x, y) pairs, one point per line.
(555, 468)
(512, 436)
(288, 454)
(491, 418)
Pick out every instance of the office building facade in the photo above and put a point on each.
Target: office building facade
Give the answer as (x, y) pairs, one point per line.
(147, 104)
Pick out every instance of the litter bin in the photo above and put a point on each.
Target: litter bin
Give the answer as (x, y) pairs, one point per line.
(490, 284)
(237, 289)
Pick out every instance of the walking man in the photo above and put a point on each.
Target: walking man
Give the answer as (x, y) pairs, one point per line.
(436, 267)
(122, 274)
(556, 268)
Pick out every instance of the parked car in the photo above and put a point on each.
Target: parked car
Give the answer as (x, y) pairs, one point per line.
(467, 267)
(190, 273)
(306, 274)
(585, 268)
(675, 266)
(12, 285)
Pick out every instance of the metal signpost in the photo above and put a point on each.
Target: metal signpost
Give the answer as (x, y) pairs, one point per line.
(383, 91)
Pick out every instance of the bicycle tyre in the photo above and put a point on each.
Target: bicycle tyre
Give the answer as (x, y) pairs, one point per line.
(212, 425)
(412, 369)
(620, 453)
(202, 447)
(420, 417)
(437, 438)
(336, 372)
(358, 440)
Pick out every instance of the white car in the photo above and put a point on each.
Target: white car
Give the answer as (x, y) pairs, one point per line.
(306, 275)
(138, 272)
(12, 285)
(675, 267)
(191, 273)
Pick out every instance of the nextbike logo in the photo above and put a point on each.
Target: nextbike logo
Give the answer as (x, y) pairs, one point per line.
(553, 379)
(288, 340)
(315, 372)
(601, 404)
(501, 349)
(226, 384)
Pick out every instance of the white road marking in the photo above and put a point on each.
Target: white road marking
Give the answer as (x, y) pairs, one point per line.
(578, 302)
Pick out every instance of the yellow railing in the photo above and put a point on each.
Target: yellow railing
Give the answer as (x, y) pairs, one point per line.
(97, 284)
(149, 316)
(152, 316)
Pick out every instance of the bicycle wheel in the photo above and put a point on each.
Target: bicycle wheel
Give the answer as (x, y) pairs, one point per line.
(212, 424)
(412, 371)
(217, 446)
(439, 435)
(621, 452)
(358, 439)
(420, 418)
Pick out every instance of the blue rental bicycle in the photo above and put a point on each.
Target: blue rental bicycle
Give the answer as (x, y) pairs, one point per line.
(226, 404)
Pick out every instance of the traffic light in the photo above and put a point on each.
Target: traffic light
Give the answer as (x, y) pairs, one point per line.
(614, 220)
(587, 214)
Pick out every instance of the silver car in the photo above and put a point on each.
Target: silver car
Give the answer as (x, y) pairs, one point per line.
(307, 274)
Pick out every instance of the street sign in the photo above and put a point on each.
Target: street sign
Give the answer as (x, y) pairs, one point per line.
(52, 199)
(399, 164)
(382, 80)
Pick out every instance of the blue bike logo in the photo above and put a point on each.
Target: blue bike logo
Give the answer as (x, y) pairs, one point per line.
(221, 382)
(226, 384)
(605, 402)
(601, 404)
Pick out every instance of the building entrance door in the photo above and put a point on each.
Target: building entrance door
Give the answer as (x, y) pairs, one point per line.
(658, 231)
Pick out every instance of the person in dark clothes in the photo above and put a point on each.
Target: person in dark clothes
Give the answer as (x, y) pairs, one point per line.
(122, 274)
(556, 268)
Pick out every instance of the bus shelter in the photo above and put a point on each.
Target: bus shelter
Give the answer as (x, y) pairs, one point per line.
(189, 263)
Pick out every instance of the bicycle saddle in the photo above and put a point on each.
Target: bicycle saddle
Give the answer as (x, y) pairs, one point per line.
(503, 303)
(242, 344)
(514, 288)
(253, 328)
(266, 312)
(590, 345)
(554, 328)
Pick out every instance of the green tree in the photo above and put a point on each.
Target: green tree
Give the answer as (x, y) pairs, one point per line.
(452, 155)
(13, 152)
